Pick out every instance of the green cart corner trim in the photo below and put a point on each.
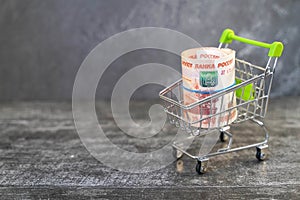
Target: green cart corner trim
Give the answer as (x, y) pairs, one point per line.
(249, 93)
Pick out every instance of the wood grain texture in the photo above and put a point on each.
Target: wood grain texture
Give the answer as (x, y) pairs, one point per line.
(41, 156)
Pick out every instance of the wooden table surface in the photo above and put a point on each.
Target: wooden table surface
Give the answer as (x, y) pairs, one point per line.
(42, 157)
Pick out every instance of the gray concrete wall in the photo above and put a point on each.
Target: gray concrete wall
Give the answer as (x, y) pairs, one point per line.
(42, 43)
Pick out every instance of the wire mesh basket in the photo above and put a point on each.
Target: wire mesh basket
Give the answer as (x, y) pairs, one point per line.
(248, 100)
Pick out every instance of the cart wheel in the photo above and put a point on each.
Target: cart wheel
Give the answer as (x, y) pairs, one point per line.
(176, 153)
(201, 166)
(261, 153)
(223, 137)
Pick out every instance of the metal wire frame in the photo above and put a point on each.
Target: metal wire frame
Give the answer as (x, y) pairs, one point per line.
(254, 107)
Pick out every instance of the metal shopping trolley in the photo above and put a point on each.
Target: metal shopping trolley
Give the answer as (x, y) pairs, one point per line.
(252, 89)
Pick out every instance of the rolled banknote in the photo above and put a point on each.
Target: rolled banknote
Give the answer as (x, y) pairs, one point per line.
(206, 71)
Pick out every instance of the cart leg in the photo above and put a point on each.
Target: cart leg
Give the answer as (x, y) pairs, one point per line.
(223, 136)
(176, 153)
(261, 152)
(202, 165)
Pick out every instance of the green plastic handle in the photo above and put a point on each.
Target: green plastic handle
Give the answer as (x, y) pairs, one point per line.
(275, 49)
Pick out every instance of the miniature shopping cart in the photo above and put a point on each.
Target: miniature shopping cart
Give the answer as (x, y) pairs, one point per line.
(252, 89)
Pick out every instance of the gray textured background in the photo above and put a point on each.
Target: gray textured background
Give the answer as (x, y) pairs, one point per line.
(42, 43)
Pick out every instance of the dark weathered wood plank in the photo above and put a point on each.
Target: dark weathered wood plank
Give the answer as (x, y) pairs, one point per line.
(41, 156)
(176, 193)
